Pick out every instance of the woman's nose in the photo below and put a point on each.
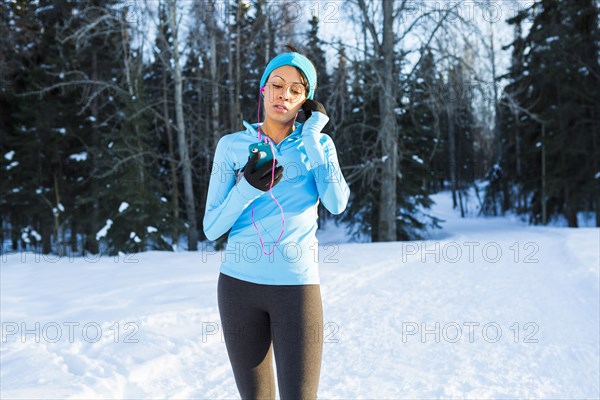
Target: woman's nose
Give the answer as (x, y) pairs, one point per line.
(285, 93)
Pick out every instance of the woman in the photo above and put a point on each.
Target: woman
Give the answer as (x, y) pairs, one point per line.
(268, 290)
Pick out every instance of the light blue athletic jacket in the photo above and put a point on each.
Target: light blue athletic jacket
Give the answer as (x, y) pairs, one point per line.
(311, 172)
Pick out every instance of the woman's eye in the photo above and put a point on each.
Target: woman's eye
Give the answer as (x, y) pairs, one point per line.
(297, 92)
(277, 86)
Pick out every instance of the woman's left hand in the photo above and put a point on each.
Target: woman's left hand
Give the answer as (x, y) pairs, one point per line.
(311, 106)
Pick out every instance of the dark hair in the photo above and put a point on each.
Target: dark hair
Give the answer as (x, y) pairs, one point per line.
(292, 48)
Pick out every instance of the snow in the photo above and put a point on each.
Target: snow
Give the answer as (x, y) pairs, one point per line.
(486, 308)
(417, 159)
(124, 206)
(61, 207)
(25, 236)
(135, 237)
(43, 9)
(91, 118)
(102, 232)
(79, 156)
(552, 39)
(62, 131)
(597, 176)
(151, 229)
(12, 165)
(36, 235)
(9, 155)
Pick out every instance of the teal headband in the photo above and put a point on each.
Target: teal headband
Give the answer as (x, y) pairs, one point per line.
(296, 60)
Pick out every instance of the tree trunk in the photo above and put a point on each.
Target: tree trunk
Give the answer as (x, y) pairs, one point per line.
(544, 209)
(451, 138)
(172, 160)
(46, 234)
(570, 211)
(597, 179)
(518, 166)
(231, 78)
(181, 136)
(91, 244)
(214, 77)
(238, 79)
(596, 158)
(56, 212)
(136, 126)
(73, 238)
(389, 141)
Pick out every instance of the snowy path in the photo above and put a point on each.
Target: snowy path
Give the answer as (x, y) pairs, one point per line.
(517, 314)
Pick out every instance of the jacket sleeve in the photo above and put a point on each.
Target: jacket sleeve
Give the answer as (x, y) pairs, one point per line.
(320, 149)
(225, 199)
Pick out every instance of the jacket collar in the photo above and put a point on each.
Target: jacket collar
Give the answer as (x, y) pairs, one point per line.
(252, 130)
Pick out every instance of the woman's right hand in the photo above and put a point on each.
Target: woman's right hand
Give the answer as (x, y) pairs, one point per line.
(261, 178)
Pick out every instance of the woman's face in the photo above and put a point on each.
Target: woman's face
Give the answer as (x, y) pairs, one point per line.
(284, 94)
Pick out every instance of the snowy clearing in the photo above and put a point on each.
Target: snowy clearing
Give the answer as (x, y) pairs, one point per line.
(487, 308)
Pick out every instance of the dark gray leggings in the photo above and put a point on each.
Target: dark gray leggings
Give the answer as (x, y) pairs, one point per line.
(259, 319)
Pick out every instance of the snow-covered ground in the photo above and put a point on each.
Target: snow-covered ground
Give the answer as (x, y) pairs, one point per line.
(487, 308)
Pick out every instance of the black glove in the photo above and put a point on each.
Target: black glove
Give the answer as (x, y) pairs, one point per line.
(261, 178)
(312, 105)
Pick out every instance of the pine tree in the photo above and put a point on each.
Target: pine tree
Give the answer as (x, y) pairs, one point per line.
(41, 129)
(358, 154)
(314, 51)
(552, 94)
(158, 84)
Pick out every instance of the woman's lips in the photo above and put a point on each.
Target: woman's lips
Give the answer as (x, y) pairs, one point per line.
(280, 108)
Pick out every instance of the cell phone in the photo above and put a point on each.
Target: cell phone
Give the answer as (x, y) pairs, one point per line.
(266, 155)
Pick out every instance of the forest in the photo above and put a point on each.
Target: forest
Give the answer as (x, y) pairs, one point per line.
(110, 112)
